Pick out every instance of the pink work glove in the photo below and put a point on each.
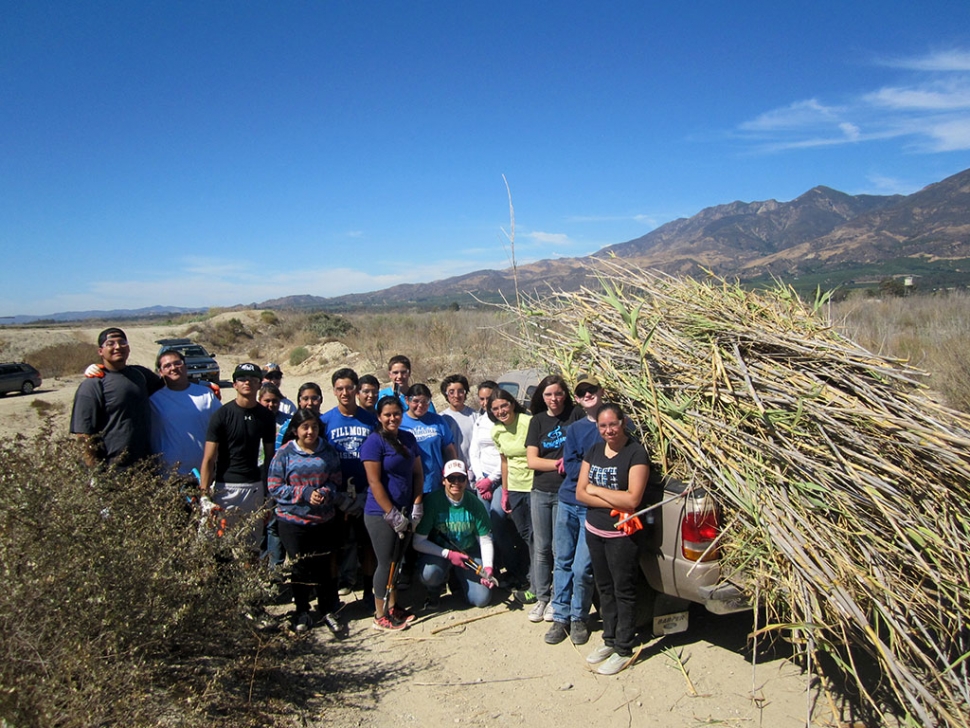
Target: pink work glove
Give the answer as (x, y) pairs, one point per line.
(560, 467)
(505, 502)
(489, 579)
(457, 558)
(484, 488)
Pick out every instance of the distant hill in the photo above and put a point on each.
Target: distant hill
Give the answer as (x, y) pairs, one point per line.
(114, 315)
(822, 238)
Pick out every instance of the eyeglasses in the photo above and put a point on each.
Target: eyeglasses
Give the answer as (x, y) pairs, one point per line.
(419, 400)
(314, 399)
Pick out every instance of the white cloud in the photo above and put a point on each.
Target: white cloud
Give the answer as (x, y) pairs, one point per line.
(884, 185)
(551, 238)
(928, 112)
(934, 96)
(954, 59)
(806, 113)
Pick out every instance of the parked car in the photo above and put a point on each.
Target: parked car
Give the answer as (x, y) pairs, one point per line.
(680, 564)
(521, 384)
(199, 362)
(18, 377)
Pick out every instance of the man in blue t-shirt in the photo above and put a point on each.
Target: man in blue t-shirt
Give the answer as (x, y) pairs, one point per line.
(346, 426)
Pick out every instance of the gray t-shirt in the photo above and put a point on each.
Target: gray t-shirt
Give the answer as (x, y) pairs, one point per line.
(115, 409)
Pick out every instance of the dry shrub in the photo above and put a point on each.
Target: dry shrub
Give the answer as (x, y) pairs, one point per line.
(438, 343)
(931, 332)
(65, 359)
(299, 355)
(114, 610)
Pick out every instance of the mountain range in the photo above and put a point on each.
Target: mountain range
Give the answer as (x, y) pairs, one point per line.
(822, 238)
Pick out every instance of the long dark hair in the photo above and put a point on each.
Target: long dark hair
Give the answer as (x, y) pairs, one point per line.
(537, 404)
(390, 438)
(298, 419)
(517, 408)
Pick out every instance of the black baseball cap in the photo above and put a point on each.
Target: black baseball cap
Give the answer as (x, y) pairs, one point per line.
(247, 370)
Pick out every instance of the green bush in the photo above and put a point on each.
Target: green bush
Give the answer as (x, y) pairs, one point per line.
(327, 326)
(269, 318)
(114, 610)
(299, 355)
(66, 359)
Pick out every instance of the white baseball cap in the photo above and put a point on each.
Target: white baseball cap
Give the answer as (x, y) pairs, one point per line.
(455, 467)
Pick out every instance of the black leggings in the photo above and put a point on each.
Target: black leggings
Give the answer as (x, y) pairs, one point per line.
(310, 550)
(386, 544)
(615, 564)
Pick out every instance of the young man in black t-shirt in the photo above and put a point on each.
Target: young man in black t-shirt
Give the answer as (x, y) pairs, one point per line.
(231, 475)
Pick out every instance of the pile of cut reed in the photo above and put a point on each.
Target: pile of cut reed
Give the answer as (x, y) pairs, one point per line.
(844, 484)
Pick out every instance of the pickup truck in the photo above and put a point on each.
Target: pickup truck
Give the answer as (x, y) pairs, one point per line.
(681, 563)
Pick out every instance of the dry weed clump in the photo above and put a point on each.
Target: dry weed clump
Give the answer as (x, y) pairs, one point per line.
(114, 610)
(468, 342)
(65, 359)
(931, 332)
(846, 488)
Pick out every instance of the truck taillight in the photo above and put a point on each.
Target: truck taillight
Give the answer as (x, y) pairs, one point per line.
(699, 529)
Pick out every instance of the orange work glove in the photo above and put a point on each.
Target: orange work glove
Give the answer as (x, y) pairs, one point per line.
(631, 526)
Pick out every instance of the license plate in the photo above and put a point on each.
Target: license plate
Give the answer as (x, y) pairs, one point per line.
(670, 623)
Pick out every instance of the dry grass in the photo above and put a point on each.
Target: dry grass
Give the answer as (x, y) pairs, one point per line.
(930, 332)
(59, 360)
(439, 343)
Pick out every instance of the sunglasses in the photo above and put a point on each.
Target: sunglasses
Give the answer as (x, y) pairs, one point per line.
(456, 479)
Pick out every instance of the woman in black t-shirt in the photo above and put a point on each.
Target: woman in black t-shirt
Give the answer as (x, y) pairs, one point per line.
(612, 483)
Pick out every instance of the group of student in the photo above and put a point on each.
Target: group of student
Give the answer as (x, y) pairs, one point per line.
(469, 499)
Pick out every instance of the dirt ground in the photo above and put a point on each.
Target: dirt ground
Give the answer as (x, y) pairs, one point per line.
(495, 670)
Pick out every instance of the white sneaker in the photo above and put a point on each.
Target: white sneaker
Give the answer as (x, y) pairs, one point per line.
(599, 654)
(548, 613)
(613, 664)
(537, 612)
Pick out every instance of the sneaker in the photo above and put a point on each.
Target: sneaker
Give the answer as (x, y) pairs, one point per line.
(613, 664)
(386, 624)
(400, 614)
(302, 622)
(578, 632)
(548, 614)
(524, 596)
(599, 654)
(556, 634)
(334, 624)
(537, 612)
(345, 591)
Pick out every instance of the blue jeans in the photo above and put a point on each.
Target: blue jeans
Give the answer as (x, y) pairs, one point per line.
(433, 572)
(572, 577)
(274, 546)
(544, 507)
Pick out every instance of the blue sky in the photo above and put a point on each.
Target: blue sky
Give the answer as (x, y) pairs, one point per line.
(212, 153)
